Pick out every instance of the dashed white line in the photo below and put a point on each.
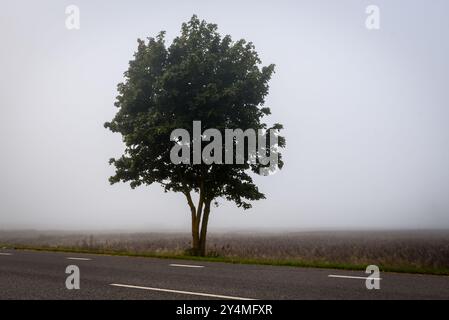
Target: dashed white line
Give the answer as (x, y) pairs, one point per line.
(5, 254)
(81, 259)
(352, 277)
(185, 265)
(181, 292)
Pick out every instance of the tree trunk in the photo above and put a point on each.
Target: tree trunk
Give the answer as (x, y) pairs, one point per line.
(203, 234)
(195, 239)
(200, 219)
(195, 226)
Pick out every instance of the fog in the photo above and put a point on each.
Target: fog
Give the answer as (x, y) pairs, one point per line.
(365, 114)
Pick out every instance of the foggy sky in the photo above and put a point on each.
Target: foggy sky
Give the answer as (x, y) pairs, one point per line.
(365, 113)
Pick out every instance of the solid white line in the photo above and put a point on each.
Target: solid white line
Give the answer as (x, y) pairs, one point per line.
(181, 292)
(185, 265)
(351, 277)
(81, 259)
(5, 254)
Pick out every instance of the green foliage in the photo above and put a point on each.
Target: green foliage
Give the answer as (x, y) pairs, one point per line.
(200, 76)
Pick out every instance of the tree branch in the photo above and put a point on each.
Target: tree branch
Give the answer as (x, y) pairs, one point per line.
(190, 202)
(200, 204)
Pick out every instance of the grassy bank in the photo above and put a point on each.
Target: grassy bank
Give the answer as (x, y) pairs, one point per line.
(237, 260)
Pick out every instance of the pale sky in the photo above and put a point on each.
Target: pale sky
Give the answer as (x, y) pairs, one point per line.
(365, 113)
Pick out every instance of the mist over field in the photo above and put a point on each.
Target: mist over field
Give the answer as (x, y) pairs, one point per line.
(412, 250)
(365, 115)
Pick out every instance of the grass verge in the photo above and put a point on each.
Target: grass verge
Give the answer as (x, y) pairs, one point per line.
(238, 260)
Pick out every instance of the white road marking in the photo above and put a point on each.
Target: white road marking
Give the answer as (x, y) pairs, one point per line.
(181, 292)
(81, 259)
(5, 254)
(185, 265)
(352, 277)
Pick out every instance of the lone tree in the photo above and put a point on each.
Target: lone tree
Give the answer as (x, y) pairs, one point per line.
(203, 77)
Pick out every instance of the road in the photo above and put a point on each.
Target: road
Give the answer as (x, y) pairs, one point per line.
(41, 275)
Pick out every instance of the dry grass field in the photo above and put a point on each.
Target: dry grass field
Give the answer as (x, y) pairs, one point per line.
(426, 251)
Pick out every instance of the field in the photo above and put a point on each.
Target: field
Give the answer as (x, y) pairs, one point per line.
(402, 251)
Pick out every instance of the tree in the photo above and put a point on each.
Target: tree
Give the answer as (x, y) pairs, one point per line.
(203, 77)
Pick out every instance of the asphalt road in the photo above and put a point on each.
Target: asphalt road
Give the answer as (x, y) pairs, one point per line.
(41, 275)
